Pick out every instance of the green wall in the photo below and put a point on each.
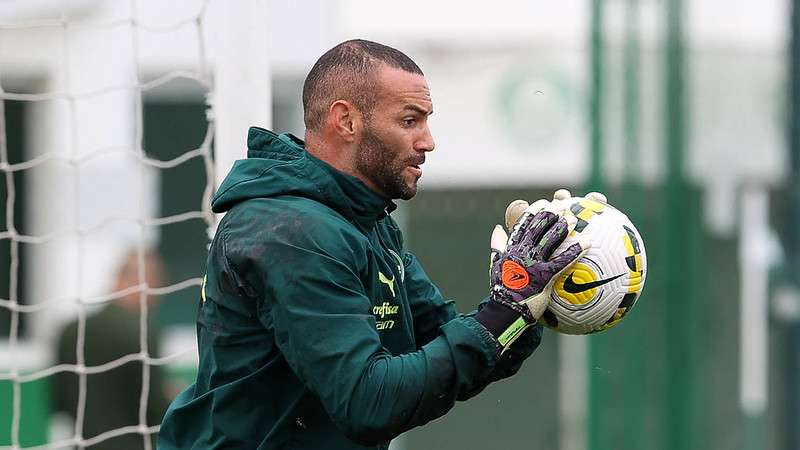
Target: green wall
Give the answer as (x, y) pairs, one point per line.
(173, 128)
(635, 383)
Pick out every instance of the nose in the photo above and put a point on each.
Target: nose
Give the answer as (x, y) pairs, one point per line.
(425, 143)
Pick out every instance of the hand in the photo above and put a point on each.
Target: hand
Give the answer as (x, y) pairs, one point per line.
(522, 272)
(516, 208)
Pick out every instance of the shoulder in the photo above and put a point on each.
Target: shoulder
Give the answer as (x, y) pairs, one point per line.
(289, 221)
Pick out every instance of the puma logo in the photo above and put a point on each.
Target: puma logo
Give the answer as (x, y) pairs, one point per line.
(387, 281)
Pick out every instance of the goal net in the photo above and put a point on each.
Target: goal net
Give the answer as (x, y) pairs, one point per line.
(108, 115)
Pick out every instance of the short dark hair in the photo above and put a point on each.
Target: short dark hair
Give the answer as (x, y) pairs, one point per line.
(347, 72)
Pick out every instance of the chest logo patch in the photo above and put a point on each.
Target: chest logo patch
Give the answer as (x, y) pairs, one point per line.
(388, 282)
(384, 312)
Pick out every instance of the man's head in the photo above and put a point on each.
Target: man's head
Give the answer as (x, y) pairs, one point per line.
(366, 109)
(128, 276)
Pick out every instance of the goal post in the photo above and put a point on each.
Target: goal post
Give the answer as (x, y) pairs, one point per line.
(242, 96)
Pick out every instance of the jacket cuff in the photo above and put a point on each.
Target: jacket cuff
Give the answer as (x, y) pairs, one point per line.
(496, 319)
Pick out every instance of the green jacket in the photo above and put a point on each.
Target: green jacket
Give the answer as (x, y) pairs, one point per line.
(316, 329)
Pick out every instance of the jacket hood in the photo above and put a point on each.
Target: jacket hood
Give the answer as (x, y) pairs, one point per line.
(278, 165)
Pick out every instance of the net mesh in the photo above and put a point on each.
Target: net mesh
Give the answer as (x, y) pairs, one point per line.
(75, 158)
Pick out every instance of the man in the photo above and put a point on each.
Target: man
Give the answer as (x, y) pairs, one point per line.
(316, 328)
(112, 396)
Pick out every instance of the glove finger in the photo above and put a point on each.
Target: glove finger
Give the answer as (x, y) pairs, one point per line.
(597, 196)
(559, 206)
(514, 214)
(552, 239)
(566, 259)
(531, 229)
(561, 194)
(514, 211)
(499, 240)
(497, 244)
(538, 205)
(572, 222)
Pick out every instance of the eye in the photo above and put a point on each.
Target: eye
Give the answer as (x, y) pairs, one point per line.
(409, 121)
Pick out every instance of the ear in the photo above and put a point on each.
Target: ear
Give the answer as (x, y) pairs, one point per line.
(345, 120)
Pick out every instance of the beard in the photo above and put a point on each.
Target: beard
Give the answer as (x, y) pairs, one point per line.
(384, 166)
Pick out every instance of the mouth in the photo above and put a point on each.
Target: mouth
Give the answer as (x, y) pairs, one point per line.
(415, 169)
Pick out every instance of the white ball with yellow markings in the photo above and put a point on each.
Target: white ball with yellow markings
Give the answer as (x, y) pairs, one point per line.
(602, 287)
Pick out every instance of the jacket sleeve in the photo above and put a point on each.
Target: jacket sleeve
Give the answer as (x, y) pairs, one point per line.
(431, 311)
(511, 361)
(316, 305)
(429, 308)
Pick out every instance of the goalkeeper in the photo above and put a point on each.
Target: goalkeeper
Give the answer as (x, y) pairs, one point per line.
(316, 328)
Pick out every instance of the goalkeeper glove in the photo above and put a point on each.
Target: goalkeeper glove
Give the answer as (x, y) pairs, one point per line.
(522, 272)
(516, 208)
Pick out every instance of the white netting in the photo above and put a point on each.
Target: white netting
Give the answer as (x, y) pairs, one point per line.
(74, 158)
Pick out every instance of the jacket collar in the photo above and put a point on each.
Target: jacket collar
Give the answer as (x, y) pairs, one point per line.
(342, 192)
(366, 205)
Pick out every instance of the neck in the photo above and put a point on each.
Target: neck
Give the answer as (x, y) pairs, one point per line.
(337, 157)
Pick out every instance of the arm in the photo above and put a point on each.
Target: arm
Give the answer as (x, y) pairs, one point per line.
(324, 327)
(511, 360)
(428, 306)
(431, 311)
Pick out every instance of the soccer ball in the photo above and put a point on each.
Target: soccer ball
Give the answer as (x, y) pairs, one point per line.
(602, 287)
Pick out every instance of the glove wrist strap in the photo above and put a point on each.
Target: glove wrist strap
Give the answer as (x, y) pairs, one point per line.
(503, 323)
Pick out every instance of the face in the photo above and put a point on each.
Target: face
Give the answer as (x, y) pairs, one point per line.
(396, 137)
(128, 277)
